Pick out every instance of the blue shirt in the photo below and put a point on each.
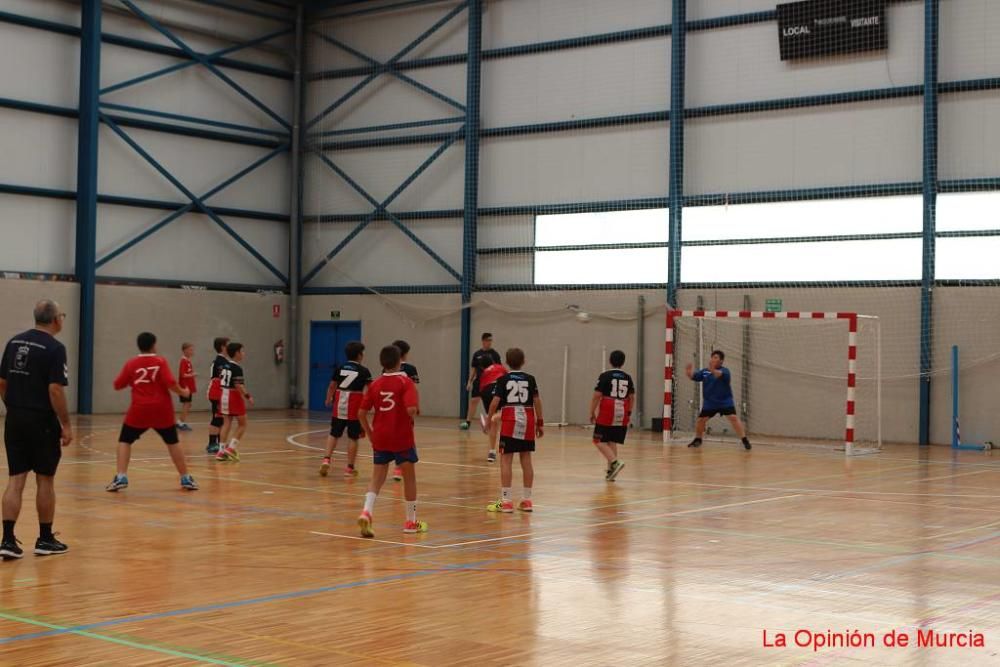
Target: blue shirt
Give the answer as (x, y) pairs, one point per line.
(716, 391)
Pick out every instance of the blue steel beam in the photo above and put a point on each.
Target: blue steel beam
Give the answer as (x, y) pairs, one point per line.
(392, 218)
(389, 69)
(137, 44)
(215, 56)
(381, 207)
(389, 63)
(930, 185)
(390, 127)
(243, 9)
(189, 207)
(86, 202)
(194, 198)
(678, 53)
(125, 108)
(380, 8)
(240, 90)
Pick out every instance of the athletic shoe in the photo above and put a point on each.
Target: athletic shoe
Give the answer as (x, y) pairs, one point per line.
(415, 527)
(463, 426)
(525, 506)
(187, 482)
(365, 524)
(118, 483)
(49, 546)
(350, 471)
(613, 471)
(746, 444)
(222, 454)
(397, 474)
(695, 443)
(324, 468)
(234, 455)
(491, 457)
(183, 427)
(212, 448)
(505, 506)
(484, 423)
(10, 550)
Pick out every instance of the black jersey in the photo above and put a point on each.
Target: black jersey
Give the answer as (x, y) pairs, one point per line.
(31, 362)
(351, 376)
(483, 359)
(231, 374)
(517, 389)
(411, 371)
(615, 383)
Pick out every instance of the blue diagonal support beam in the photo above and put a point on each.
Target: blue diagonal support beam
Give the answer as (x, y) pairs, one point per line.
(389, 69)
(191, 53)
(392, 61)
(194, 198)
(187, 208)
(192, 119)
(211, 57)
(380, 209)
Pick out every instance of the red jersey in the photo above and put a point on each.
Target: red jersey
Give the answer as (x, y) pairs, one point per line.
(150, 378)
(185, 375)
(617, 393)
(491, 374)
(350, 380)
(388, 397)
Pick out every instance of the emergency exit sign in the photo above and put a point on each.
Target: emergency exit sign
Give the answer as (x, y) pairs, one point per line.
(334, 314)
(772, 305)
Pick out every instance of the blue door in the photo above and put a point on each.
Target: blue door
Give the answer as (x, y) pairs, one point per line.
(326, 351)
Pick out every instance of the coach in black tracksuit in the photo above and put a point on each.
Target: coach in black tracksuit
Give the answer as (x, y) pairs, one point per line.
(33, 372)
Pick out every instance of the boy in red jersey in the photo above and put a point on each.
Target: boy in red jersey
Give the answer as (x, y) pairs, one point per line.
(518, 407)
(347, 388)
(233, 402)
(394, 400)
(610, 412)
(487, 383)
(215, 393)
(186, 378)
(149, 376)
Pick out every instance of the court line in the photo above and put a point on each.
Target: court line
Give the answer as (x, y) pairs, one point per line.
(371, 539)
(58, 629)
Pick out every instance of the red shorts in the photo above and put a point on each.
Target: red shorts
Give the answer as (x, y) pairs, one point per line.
(231, 403)
(215, 389)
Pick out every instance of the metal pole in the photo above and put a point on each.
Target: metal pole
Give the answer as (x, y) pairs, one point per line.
(930, 187)
(86, 199)
(745, 370)
(295, 212)
(678, 50)
(640, 359)
(473, 79)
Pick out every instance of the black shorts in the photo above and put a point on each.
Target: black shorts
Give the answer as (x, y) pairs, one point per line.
(711, 412)
(186, 399)
(384, 458)
(353, 427)
(515, 445)
(614, 434)
(32, 440)
(129, 434)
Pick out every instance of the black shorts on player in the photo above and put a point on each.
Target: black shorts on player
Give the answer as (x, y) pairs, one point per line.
(33, 442)
(711, 412)
(510, 445)
(352, 426)
(185, 399)
(129, 434)
(610, 434)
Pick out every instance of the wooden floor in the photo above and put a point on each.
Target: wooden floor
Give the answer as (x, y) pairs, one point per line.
(687, 560)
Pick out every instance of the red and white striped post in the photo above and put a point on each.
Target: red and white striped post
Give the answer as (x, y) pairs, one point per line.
(852, 356)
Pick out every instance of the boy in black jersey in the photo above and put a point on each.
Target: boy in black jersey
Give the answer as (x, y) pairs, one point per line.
(215, 393)
(233, 403)
(610, 412)
(347, 388)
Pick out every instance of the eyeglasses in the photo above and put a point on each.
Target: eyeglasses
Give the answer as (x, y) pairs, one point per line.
(61, 316)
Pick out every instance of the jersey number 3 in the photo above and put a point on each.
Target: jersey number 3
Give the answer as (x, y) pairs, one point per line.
(388, 402)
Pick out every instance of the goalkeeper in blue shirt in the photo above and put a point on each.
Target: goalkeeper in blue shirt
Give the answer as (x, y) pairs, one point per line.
(717, 397)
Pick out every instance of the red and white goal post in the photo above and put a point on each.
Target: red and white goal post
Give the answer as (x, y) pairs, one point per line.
(850, 352)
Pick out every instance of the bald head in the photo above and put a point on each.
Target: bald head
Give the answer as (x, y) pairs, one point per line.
(48, 316)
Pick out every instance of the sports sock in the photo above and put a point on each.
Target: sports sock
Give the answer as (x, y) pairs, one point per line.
(505, 494)
(45, 531)
(370, 501)
(234, 443)
(411, 510)
(527, 493)
(213, 439)
(8, 530)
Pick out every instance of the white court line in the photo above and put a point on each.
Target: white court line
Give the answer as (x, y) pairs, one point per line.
(934, 479)
(371, 539)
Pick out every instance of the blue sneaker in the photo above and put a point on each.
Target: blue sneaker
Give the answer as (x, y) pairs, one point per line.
(212, 449)
(187, 482)
(117, 484)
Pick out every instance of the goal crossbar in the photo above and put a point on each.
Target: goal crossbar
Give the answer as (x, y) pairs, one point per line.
(851, 351)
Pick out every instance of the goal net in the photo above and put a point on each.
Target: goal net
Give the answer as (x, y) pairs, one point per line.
(797, 377)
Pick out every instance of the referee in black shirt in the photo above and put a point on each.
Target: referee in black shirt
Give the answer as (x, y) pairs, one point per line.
(33, 372)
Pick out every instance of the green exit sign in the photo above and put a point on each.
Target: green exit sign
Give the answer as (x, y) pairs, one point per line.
(334, 314)
(772, 305)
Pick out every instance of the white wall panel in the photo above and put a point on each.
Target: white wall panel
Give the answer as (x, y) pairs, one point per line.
(38, 150)
(742, 63)
(382, 255)
(512, 22)
(825, 146)
(969, 135)
(969, 48)
(606, 80)
(716, 8)
(505, 269)
(504, 231)
(38, 234)
(190, 248)
(49, 10)
(612, 163)
(38, 66)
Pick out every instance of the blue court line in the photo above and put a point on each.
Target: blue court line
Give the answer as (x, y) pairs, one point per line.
(243, 603)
